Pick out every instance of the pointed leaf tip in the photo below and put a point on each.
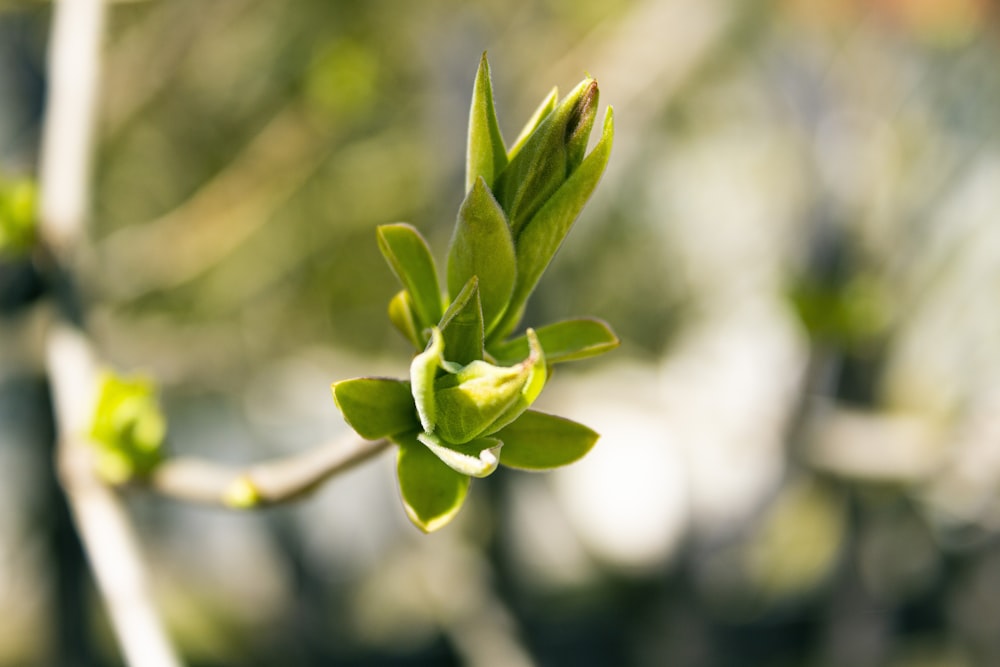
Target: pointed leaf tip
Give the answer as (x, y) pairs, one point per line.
(486, 155)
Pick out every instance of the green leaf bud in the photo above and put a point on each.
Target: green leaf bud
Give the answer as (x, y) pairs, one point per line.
(551, 153)
(128, 428)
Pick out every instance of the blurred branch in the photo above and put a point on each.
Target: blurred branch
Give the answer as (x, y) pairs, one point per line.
(271, 482)
(145, 59)
(65, 178)
(103, 524)
(218, 218)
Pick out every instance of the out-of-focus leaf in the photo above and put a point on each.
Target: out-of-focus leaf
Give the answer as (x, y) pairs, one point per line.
(482, 246)
(543, 234)
(128, 428)
(477, 458)
(539, 441)
(402, 317)
(485, 156)
(568, 340)
(410, 258)
(462, 325)
(18, 220)
(432, 493)
(376, 407)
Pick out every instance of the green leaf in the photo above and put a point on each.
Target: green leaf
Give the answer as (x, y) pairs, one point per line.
(541, 113)
(469, 401)
(539, 441)
(537, 376)
(477, 458)
(486, 156)
(568, 340)
(482, 246)
(410, 259)
(423, 370)
(432, 493)
(376, 407)
(544, 233)
(402, 317)
(462, 325)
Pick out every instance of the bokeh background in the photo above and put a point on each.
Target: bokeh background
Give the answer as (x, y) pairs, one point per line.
(797, 240)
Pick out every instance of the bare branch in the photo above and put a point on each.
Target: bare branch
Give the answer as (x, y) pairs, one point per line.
(267, 483)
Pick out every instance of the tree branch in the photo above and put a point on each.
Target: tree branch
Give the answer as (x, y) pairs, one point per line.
(103, 525)
(271, 482)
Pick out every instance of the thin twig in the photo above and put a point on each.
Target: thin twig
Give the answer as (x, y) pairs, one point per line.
(267, 483)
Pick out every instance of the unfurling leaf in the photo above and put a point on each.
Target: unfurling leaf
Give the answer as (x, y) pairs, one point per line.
(480, 397)
(423, 370)
(476, 458)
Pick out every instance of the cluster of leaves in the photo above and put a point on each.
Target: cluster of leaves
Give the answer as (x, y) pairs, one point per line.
(17, 216)
(128, 428)
(465, 407)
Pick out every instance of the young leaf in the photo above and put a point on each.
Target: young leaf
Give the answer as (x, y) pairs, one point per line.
(568, 340)
(543, 234)
(543, 110)
(477, 458)
(539, 441)
(469, 401)
(432, 493)
(423, 370)
(376, 407)
(410, 259)
(462, 325)
(482, 246)
(402, 317)
(537, 376)
(486, 156)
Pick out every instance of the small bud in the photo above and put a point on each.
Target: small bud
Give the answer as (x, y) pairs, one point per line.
(128, 428)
